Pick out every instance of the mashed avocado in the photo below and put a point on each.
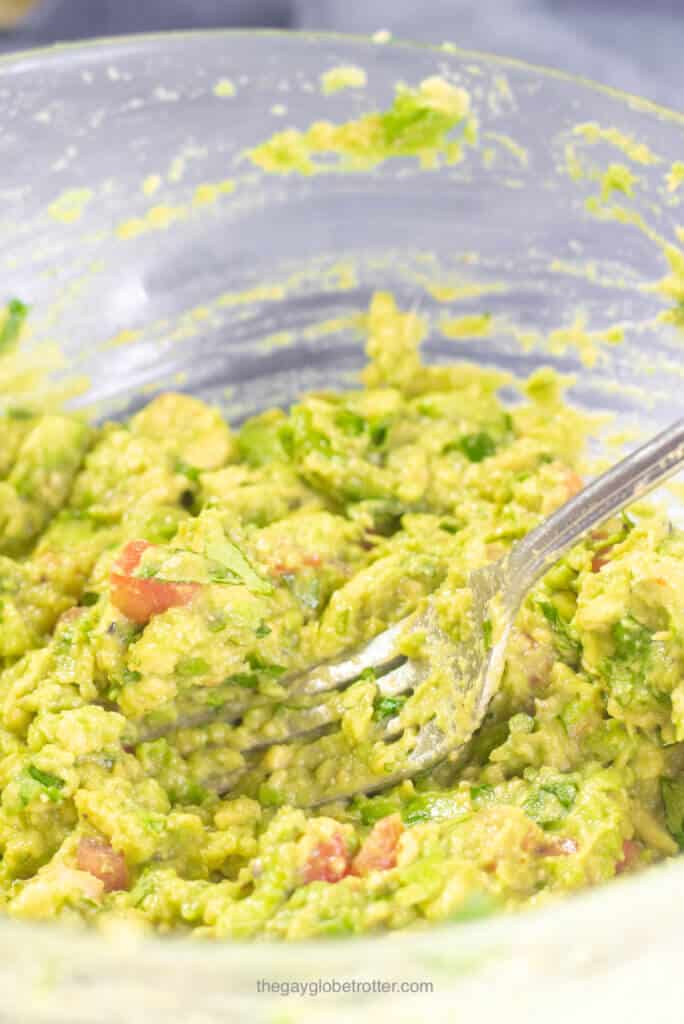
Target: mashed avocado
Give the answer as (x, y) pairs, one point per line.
(162, 580)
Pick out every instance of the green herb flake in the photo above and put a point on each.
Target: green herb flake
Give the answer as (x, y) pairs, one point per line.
(387, 707)
(567, 643)
(15, 317)
(232, 566)
(476, 447)
(432, 807)
(191, 472)
(565, 792)
(482, 794)
(632, 640)
(266, 668)
(374, 809)
(247, 680)
(672, 792)
(350, 422)
(52, 784)
(378, 434)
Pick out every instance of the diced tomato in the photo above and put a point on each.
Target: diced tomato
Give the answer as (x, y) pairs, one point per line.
(295, 564)
(129, 559)
(99, 859)
(631, 850)
(329, 861)
(600, 559)
(282, 569)
(379, 851)
(314, 561)
(140, 599)
(573, 484)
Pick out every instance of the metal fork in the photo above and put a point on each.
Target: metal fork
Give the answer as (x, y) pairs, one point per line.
(474, 667)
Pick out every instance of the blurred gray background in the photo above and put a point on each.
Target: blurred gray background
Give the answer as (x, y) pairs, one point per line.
(635, 45)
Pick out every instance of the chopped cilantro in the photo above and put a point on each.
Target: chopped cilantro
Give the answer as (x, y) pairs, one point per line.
(191, 472)
(565, 792)
(45, 778)
(247, 680)
(672, 792)
(378, 434)
(387, 707)
(266, 668)
(475, 447)
(567, 643)
(15, 316)
(632, 640)
(232, 566)
(432, 807)
(550, 801)
(373, 809)
(52, 784)
(482, 794)
(301, 436)
(350, 422)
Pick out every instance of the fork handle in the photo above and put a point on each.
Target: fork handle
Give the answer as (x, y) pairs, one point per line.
(631, 478)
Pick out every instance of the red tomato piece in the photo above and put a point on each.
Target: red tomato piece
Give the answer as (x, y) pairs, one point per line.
(631, 850)
(329, 861)
(573, 484)
(600, 559)
(129, 559)
(99, 859)
(379, 851)
(313, 561)
(140, 599)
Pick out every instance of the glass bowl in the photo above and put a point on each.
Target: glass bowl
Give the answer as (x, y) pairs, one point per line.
(154, 254)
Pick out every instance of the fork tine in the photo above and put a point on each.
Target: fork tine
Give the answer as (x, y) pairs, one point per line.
(288, 724)
(380, 655)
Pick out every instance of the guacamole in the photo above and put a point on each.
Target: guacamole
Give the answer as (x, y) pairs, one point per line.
(163, 581)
